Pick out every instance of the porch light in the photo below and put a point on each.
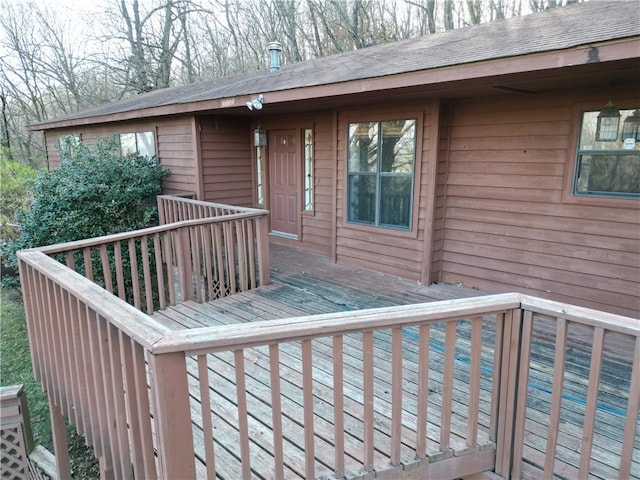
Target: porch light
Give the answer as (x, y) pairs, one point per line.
(631, 127)
(608, 122)
(256, 103)
(259, 138)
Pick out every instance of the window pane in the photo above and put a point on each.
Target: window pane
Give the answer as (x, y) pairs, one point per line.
(398, 146)
(127, 143)
(362, 198)
(146, 144)
(395, 201)
(608, 174)
(588, 138)
(363, 147)
(308, 170)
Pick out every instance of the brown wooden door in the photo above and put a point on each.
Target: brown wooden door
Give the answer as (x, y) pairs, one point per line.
(284, 182)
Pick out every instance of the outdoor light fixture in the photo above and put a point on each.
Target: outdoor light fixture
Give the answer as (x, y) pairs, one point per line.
(631, 127)
(259, 138)
(608, 122)
(256, 103)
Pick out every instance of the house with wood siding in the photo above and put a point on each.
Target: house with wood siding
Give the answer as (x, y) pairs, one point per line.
(503, 156)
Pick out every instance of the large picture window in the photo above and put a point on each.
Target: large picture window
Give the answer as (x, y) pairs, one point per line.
(380, 164)
(609, 167)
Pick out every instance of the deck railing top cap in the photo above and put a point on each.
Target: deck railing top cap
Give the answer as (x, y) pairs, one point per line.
(324, 325)
(136, 324)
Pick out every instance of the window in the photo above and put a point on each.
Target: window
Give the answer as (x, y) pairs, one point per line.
(308, 170)
(68, 146)
(381, 158)
(259, 175)
(141, 143)
(607, 168)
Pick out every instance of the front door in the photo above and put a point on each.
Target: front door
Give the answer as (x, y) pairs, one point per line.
(284, 182)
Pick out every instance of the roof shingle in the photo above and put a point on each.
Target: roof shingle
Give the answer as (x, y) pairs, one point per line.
(557, 29)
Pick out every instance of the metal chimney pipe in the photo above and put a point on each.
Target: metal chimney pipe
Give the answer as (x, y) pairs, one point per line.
(274, 53)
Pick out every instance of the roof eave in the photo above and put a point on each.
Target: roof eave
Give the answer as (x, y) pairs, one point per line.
(602, 52)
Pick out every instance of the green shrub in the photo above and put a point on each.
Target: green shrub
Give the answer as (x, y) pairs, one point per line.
(15, 188)
(94, 192)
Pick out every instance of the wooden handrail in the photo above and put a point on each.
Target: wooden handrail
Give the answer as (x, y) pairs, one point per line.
(139, 326)
(145, 232)
(226, 337)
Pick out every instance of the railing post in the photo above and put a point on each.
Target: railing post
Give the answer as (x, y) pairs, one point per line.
(185, 273)
(262, 237)
(60, 445)
(161, 212)
(508, 388)
(172, 416)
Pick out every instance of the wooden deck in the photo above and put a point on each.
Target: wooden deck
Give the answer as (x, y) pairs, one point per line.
(138, 344)
(305, 283)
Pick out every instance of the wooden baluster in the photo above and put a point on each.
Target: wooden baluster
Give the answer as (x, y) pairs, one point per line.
(522, 394)
(367, 398)
(251, 249)
(262, 237)
(117, 253)
(556, 398)
(146, 272)
(338, 403)
(474, 381)
(106, 268)
(142, 398)
(60, 446)
(276, 411)
(592, 401)
(135, 280)
(207, 422)
(243, 425)
(423, 391)
(160, 275)
(307, 402)
(396, 395)
(447, 385)
(631, 422)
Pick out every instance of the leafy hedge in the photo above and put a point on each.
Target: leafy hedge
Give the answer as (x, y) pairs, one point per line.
(15, 186)
(94, 192)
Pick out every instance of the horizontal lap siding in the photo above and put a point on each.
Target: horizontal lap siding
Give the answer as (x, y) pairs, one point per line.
(225, 143)
(511, 226)
(176, 152)
(385, 250)
(174, 142)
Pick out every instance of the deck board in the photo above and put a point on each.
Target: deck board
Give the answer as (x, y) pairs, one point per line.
(305, 283)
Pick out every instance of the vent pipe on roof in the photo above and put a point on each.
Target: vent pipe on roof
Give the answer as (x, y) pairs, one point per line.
(274, 53)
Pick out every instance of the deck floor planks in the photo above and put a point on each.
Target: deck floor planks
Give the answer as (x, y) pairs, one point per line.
(306, 283)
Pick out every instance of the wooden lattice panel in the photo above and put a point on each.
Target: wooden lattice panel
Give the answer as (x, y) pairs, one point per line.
(13, 459)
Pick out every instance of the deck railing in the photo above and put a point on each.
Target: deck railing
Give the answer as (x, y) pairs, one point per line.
(173, 209)
(153, 401)
(200, 258)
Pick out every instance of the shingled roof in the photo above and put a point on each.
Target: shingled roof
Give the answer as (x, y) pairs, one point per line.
(563, 28)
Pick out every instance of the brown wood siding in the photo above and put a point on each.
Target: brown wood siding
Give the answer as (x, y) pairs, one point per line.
(176, 152)
(390, 251)
(174, 144)
(511, 224)
(226, 160)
